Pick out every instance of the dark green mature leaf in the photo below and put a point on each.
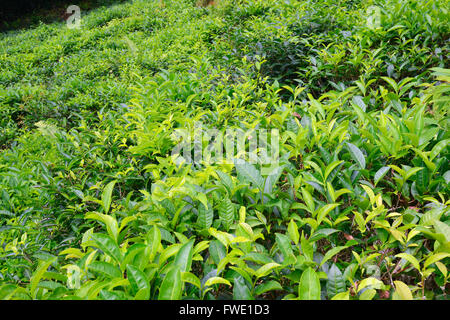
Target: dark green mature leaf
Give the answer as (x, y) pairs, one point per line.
(226, 213)
(257, 257)
(139, 282)
(226, 180)
(268, 286)
(205, 217)
(113, 295)
(284, 244)
(249, 172)
(105, 268)
(108, 246)
(217, 251)
(335, 281)
(357, 155)
(241, 290)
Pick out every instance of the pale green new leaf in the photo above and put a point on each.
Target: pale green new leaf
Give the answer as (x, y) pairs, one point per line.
(183, 259)
(106, 196)
(403, 290)
(435, 257)
(330, 253)
(171, 287)
(217, 280)
(409, 258)
(266, 269)
(309, 287)
(38, 274)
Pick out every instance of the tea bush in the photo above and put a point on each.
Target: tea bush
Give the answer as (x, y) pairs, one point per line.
(95, 206)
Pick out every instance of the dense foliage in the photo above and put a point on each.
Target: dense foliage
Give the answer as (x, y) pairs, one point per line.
(93, 205)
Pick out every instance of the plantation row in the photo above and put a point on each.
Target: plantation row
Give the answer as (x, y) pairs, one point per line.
(94, 204)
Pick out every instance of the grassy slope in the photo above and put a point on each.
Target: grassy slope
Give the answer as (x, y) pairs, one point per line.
(54, 72)
(106, 100)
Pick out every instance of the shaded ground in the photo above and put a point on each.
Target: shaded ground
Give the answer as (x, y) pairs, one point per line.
(19, 14)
